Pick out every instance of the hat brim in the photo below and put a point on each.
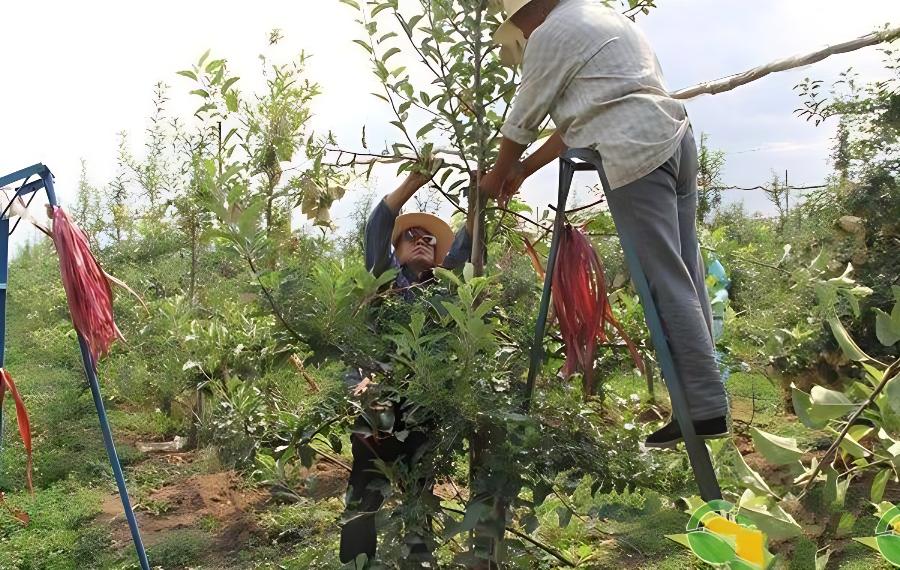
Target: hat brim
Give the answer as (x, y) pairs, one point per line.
(511, 41)
(438, 228)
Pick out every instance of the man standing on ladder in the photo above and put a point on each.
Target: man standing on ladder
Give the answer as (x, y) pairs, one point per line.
(594, 73)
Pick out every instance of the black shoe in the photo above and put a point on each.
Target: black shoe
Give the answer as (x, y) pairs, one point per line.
(669, 435)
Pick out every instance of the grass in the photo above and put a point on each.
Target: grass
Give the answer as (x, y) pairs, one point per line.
(181, 549)
(57, 536)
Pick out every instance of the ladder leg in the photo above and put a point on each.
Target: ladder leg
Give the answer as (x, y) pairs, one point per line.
(111, 452)
(566, 173)
(4, 278)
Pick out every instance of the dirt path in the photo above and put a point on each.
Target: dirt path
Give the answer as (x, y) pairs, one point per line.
(221, 503)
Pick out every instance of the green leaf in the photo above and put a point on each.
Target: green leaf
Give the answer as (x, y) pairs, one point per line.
(879, 483)
(869, 541)
(473, 515)
(350, 3)
(228, 83)
(835, 488)
(747, 476)
(777, 450)
(822, 559)
(887, 327)
(231, 101)
(845, 525)
(847, 344)
(387, 55)
(189, 74)
(769, 517)
(201, 92)
(892, 394)
(803, 408)
(692, 503)
(468, 272)
(829, 404)
(424, 130)
(365, 45)
(715, 549)
(250, 216)
(681, 539)
(456, 314)
(415, 20)
(203, 58)
(382, 7)
(850, 444)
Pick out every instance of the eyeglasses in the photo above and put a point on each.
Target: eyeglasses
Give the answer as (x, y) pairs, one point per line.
(417, 234)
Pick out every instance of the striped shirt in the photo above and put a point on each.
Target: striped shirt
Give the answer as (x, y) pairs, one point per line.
(594, 73)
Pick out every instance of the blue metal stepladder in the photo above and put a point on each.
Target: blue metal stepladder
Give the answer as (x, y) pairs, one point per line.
(30, 187)
(582, 159)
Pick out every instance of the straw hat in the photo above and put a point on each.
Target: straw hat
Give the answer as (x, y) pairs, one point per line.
(432, 224)
(508, 35)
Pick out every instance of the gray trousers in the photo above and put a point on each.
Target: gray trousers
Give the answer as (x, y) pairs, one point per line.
(659, 211)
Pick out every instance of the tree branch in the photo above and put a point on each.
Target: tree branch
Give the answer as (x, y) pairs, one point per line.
(545, 547)
(889, 375)
(733, 81)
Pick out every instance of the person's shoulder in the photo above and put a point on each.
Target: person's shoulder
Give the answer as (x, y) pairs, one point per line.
(575, 21)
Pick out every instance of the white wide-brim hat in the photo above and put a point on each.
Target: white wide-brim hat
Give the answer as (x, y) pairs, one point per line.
(508, 35)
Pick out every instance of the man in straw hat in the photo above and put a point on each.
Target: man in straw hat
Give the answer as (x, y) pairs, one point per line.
(415, 244)
(594, 73)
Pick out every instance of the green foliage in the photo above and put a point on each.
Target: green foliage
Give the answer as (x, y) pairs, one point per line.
(54, 537)
(710, 163)
(180, 549)
(301, 522)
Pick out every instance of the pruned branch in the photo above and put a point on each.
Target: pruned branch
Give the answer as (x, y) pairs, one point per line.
(298, 364)
(733, 81)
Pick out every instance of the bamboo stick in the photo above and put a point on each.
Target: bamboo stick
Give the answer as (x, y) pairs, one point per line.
(733, 81)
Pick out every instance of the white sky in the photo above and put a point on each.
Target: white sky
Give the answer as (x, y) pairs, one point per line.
(73, 74)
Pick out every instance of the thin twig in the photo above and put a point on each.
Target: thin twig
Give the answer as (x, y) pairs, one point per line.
(748, 260)
(298, 364)
(889, 375)
(272, 303)
(545, 547)
(331, 458)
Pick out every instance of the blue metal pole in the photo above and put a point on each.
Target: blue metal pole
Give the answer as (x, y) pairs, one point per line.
(47, 177)
(4, 278)
(91, 374)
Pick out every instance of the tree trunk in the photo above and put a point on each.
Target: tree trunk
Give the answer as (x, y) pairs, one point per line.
(192, 286)
(482, 538)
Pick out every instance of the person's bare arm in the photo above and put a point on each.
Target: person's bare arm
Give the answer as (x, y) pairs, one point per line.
(415, 180)
(547, 153)
(507, 161)
(399, 197)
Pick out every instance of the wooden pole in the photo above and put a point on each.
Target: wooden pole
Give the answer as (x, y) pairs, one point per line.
(733, 81)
